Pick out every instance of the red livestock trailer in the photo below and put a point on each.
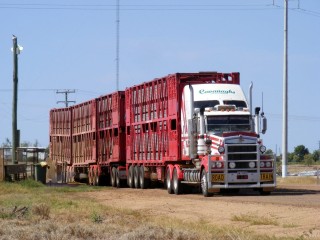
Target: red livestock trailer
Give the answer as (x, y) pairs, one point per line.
(185, 129)
(86, 139)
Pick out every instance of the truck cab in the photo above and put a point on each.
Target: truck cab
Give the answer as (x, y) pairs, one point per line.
(224, 139)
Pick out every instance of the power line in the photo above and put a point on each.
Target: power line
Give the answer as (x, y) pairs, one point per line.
(44, 89)
(307, 12)
(296, 117)
(137, 7)
(156, 7)
(66, 93)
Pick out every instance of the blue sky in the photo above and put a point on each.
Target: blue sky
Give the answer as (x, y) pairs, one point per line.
(72, 45)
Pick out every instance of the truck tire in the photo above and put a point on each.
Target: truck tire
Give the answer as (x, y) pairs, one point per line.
(169, 182)
(136, 176)
(94, 177)
(130, 177)
(117, 178)
(90, 177)
(204, 184)
(97, 178)
(144, 182)
(177, 185)
(113, 177)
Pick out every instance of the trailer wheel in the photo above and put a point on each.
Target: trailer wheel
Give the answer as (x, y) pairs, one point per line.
(130, 176)
(117, 177)
(113, 177)
(144, 182)
(177, 185)
(90, 177)
(136, 176)
(97, 178)
(204, 184)
(168, 181)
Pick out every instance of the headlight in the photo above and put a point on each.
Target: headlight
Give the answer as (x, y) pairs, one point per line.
(252, 164)
(213, 164)
(262, 164)
(232, 165)
(219, 164)
(263, 148)
(221, 149)
(268, 164)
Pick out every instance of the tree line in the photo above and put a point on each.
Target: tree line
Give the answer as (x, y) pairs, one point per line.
(301, 154)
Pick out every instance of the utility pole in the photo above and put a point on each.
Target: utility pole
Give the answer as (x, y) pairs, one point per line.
(118, 45)
(15, 132)
(285, 94)
(66, 92)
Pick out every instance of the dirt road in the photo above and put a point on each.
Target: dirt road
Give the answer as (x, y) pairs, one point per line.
(290, 211)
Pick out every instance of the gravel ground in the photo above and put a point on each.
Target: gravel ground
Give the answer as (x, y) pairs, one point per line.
(290, 211)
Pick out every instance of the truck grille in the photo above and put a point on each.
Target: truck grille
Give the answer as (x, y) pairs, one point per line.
(242, 155)
(242, 148)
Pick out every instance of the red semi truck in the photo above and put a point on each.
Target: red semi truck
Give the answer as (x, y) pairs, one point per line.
(185, 129)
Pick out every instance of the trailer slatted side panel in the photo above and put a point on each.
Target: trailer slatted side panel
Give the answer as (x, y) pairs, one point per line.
(153, 116)
(111, 128)
(148, 122)
(84, 133)
(60, 135)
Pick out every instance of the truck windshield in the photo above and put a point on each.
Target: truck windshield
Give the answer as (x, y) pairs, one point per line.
(236, 103)
(221, 124)
(204, 104)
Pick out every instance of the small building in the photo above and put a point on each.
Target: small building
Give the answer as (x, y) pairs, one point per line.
(27, 157)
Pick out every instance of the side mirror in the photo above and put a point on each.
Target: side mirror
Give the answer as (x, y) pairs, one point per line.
(264, 125)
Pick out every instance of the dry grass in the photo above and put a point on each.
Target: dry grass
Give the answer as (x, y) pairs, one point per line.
(254, 219)
(42, 210)
(296, 168)
(57, 213)
(309, 180)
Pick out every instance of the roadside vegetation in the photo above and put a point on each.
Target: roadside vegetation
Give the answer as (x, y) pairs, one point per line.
(309, 180)
(31, 210)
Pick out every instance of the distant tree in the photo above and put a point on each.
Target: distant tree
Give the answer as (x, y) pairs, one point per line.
(36, 143)
(299, 153)
(316, 155)
(7, 143)
(25, 144)
(29, 144)
(290, 157)
(308, 159)
(269, 151)
(296, 159)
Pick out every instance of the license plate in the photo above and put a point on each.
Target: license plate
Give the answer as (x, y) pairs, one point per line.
(242, 173)
(266, 176)
(217, 178)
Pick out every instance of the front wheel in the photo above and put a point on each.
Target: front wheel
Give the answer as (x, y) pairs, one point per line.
(264, 193)
(204, 184)
(169, 182)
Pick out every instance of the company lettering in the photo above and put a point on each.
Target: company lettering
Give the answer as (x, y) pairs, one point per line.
(203, 91)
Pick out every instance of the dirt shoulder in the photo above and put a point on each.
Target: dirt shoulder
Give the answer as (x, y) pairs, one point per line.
(290, 211)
